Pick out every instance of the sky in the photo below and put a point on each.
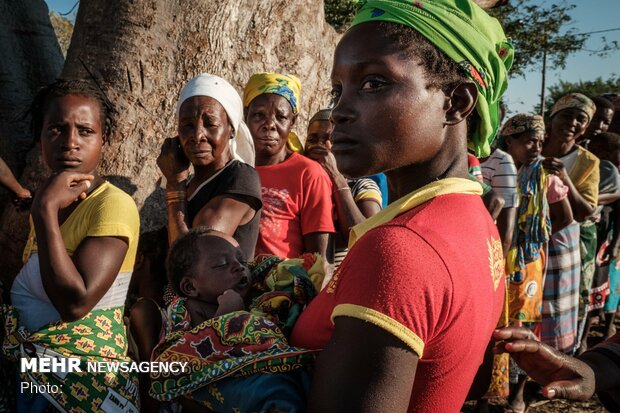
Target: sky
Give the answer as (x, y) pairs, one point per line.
(524, 93)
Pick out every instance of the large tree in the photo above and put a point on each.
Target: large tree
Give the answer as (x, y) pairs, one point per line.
(30, 59)
(142, 52)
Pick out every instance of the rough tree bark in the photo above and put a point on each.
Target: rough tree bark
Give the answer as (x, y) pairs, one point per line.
(144, 51)
(31, 58)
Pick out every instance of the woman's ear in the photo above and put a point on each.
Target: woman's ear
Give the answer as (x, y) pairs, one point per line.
(187, 287)
(460, 102)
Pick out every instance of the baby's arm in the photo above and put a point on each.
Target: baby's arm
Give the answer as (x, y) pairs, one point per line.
(229, 301)
(199, 311)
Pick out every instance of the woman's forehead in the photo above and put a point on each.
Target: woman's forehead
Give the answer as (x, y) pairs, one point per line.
(196, 104)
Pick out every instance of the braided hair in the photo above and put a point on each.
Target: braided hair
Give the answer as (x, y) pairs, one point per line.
(65, 87)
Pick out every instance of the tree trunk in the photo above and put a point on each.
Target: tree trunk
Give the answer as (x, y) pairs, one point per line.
(144, 51)
(31, 58)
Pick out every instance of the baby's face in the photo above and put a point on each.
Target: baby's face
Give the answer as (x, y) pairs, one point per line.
(220, 266)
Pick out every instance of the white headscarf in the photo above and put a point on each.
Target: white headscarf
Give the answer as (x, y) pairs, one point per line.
(242, 147)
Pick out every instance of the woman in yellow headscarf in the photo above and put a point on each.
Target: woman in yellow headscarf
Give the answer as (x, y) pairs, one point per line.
(296, 191)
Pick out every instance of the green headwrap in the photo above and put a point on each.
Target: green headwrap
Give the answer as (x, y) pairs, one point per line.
(466, 34)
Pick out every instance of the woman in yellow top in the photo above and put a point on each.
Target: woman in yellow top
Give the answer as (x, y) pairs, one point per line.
(69, 295)
(578, 169)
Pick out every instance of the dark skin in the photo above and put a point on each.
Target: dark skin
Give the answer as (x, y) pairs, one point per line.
(7, 179)
(566, 127)
(71, 141)
(270, 119)
(204, 134)
(562, 376)
(371, 83)
(219, 281)
(350, 212)
(600, 122)
(525, 148)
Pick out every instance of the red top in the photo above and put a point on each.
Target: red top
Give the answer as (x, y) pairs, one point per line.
(433, 277)
(296, 202)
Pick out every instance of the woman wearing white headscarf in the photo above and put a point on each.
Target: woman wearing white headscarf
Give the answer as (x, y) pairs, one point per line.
(224, 192)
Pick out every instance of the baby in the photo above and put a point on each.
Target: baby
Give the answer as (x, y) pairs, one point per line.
(235, 341)
(208, 268)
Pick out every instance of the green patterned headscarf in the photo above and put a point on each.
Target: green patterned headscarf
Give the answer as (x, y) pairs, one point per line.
(466, 34)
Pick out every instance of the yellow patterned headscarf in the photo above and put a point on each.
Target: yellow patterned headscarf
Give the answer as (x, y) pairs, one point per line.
(523, 122)
(574, 100)
(286, 85)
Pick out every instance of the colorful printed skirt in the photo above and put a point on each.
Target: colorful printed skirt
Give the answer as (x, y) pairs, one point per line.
(525, 294)
(99, 337)
(613, 299)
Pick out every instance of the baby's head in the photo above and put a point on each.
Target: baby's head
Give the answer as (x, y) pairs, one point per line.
(204, 263)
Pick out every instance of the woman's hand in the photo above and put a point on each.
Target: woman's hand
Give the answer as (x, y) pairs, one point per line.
(61, 190)
(562, 376)
(172, 162)
(556, 167)
(22, 200)
(326, 159)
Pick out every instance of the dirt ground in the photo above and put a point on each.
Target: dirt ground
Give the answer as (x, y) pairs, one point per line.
(562, 406)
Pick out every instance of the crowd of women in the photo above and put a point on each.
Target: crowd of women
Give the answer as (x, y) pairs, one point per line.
(285, 278)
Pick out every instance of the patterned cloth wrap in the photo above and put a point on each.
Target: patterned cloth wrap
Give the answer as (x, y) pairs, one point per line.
(98, 337)
(530, 238)
(226, 354)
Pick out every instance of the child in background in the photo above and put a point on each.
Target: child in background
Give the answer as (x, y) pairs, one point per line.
(499, 172)
(354, 199)
(600, 121)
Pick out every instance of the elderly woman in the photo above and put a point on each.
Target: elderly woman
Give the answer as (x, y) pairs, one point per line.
(224, 193)
(297, 216)
(579, 170)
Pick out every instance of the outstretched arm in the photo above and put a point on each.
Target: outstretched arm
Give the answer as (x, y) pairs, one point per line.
(562, 376)
(8, 179)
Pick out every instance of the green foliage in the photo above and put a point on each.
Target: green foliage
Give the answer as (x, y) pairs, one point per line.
(534, 28)
(340, 13)
(589, 88)
(64, 29)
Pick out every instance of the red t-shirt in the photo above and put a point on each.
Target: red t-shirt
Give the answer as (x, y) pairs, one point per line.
(296, 201)
(433, 277)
